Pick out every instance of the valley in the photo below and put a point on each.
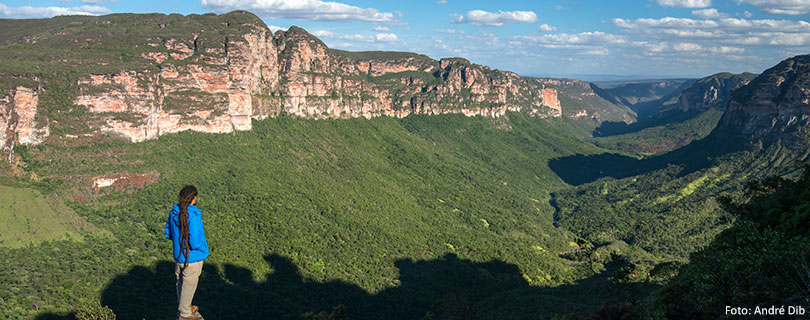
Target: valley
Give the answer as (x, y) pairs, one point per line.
(369, 185)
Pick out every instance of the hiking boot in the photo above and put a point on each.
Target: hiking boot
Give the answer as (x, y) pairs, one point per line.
(195, 314)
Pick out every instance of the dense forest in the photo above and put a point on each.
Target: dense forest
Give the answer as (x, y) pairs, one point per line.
(340, 201)
(513, 217)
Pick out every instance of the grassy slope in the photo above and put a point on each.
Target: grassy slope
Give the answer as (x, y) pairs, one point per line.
(30, 218)
(341, 199)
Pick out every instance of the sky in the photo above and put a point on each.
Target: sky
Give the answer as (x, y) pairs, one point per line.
(641, 38)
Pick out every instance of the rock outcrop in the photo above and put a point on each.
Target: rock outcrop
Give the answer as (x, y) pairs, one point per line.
(713, 91)
(18, 118)
(773, 106)
(214, 73)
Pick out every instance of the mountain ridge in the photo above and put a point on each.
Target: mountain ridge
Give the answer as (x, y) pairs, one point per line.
(142, 76)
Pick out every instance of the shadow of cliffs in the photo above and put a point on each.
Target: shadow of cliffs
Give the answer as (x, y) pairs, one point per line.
(447, 288)
(700, 154)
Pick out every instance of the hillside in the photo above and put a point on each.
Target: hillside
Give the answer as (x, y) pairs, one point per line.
(351, 208)
(713, 91)
(665, 207)
(141, 76)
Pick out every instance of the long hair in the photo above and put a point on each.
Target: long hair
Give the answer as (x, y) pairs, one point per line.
(187, 194)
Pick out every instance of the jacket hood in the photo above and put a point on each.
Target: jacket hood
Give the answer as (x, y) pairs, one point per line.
(191, 209)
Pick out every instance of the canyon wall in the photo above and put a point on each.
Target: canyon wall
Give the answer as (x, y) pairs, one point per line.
(775, 106)
(216, 73)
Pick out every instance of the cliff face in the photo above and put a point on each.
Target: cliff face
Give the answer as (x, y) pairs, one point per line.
(773, 106)
(18, 122)
(584, 100)
(216, 73)
(713, 91)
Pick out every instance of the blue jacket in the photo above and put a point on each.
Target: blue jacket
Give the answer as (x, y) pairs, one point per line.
(198, 246)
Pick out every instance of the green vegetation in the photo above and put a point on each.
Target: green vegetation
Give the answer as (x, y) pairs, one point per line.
(385, 56)
(759, 262)
(30, 218)
(665, 137)
(342, 200)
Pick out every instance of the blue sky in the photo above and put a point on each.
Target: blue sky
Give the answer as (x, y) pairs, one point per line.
(653, 38)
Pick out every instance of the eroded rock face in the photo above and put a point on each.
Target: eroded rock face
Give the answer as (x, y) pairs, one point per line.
(713, 91)
(18, 118)
(775, 102)
(233, 69)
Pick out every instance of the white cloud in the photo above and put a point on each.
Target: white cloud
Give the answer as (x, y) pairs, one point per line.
(491, 19)
(687, 47)
(311, 10)
(734, 35)
(725, 50)
(385, 37)
(441, 2)
(276, 28)
(380, 37)
(47, 12)
(748, 14)
(381, 28)
(685, 3)
(547, 28)
(597, 52)
(590, 38)
(666, 22)
(789, 7)
(450, 31)
(92, 1)
(347, 37)
(710, 13)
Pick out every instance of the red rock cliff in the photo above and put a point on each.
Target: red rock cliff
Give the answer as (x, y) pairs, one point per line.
(217, 73)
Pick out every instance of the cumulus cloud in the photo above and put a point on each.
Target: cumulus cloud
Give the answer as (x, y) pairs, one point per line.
(381, 28)
(687, 47)
(547, 28)
(733, 31)
(590, 38)
(450, 31)
(685, 3)
(711, 13)
(491, 19)
(310, 10)
(47, 12)
(385, 37)
(789, 7)
(276, 28)
(380, 37)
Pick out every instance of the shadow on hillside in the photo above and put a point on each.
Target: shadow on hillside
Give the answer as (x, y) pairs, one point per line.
(580, 169)
(614, 128)
(489, 290)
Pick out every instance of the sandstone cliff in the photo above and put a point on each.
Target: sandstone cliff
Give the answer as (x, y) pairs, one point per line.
(141, 76)
(18, 118)
(713, 91)
(775, 106)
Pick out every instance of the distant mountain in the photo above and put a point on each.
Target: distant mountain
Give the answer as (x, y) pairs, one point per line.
(713, 91)
(584, 100)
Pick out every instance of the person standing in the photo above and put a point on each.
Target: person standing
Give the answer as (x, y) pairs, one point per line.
(185, 228)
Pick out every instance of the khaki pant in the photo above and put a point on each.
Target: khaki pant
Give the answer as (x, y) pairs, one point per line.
(186, 285)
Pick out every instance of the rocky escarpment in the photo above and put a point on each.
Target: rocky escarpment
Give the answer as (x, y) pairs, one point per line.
(586, 101)
(713, 91)
(775, 106)
(141, 76)
(18, 118)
